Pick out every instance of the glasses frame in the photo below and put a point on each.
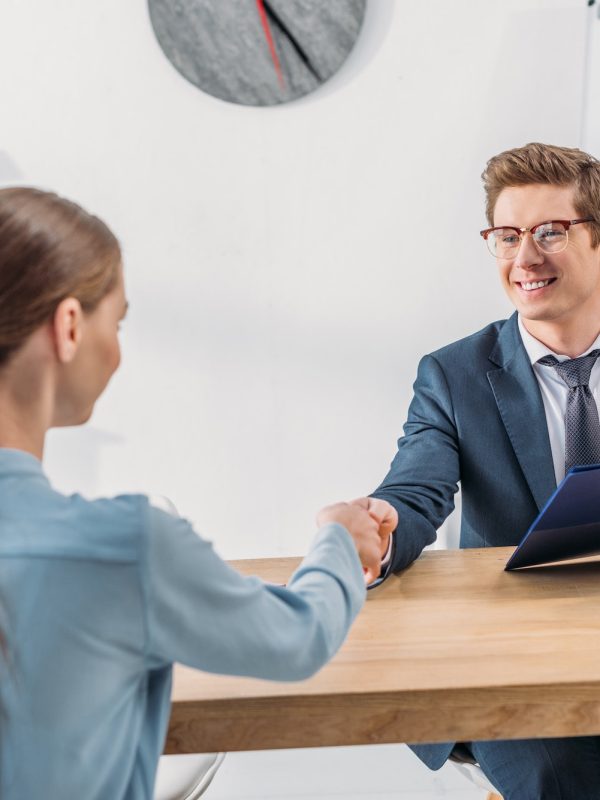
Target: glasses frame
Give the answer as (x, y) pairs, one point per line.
(521, 231)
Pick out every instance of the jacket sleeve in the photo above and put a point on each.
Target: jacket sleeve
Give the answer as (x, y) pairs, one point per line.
(202, 613)
(425, 472)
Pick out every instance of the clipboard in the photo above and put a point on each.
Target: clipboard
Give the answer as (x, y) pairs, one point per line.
(569, 524)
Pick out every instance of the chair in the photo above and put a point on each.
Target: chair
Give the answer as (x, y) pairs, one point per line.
(462, 759)
(185, 777)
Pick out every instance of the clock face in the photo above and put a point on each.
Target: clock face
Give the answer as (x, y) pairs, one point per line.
(257, 52)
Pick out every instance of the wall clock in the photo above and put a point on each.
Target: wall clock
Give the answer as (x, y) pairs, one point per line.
(257, 52)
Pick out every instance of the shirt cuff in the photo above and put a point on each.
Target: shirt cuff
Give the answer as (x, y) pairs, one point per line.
(386, 564)
(388, 554)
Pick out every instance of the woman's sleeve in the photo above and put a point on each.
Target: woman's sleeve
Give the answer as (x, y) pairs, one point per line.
(202, 613)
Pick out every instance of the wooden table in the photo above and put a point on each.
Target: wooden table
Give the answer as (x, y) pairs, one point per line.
(454, 648)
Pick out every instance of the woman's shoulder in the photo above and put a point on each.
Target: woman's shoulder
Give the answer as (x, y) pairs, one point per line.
(108, 528)
(118, 527)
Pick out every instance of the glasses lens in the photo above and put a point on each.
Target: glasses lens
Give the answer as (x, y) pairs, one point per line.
(551, 237)
(503, 242)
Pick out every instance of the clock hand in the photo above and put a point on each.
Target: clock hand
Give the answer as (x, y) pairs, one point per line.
(268, 36)
(295, 43)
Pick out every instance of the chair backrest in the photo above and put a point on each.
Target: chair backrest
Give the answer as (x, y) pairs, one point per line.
(474, 773)
(185, 777)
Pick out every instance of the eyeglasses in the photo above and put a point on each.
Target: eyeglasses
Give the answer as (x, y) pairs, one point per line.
(549, 237)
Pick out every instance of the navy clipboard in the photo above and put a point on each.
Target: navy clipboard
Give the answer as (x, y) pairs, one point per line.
(569, 524)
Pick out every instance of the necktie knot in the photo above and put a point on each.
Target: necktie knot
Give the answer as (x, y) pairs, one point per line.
(574, 372)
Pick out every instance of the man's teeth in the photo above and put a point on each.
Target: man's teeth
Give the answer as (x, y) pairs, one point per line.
(535, 285)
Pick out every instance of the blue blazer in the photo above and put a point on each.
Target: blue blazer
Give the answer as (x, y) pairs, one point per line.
(476, 417)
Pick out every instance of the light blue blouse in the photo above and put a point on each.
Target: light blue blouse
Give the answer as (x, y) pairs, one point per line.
(99, 598)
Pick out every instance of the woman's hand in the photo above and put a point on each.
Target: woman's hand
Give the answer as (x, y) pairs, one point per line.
(369, 523)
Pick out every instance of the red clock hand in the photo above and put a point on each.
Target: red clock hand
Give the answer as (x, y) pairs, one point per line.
(268, 36)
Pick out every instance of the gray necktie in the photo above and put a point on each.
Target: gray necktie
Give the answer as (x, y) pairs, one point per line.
(582, 427)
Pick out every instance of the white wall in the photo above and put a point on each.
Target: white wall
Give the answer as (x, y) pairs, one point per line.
(287, 266)
(591, 108)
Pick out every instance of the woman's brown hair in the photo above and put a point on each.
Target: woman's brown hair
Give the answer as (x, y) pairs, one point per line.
(547, 164)
(50, 249)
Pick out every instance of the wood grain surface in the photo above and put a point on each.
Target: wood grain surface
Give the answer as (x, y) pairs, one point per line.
(453, 648)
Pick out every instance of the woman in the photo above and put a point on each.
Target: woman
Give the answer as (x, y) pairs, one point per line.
(99, 598)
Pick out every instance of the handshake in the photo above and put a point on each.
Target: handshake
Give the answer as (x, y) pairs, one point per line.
(370, 523)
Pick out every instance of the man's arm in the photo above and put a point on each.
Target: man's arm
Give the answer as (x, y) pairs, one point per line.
(425, 472)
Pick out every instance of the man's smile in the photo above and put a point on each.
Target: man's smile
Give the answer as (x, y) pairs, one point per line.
(536, 286)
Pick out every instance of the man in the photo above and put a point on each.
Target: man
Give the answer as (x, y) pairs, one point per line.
(506, 410)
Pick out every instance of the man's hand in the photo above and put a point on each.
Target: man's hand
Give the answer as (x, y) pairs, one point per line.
(363, 527)
(386, 517)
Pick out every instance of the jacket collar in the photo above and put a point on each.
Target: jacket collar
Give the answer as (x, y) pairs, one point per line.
(521, 408)
(508, 343)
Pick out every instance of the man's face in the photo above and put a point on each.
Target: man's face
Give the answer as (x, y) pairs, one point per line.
(573, 275)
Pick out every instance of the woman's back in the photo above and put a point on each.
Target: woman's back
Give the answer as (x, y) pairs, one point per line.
(99, 599)
(84, 714)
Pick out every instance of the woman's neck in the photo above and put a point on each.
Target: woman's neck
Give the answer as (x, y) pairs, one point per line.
(26, 405)
(20, 440)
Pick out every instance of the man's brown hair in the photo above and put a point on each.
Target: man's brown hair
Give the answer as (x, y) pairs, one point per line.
(547, 164)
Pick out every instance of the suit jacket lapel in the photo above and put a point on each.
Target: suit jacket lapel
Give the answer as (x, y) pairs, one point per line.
(520, 404)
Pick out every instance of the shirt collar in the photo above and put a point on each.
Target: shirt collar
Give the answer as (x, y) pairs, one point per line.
(18, 461)
(536, 350)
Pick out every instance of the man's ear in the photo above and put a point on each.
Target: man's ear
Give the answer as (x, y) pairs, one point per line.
(67, 328)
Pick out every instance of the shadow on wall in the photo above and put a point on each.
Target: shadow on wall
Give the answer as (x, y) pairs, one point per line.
(9, 171)
(590, 118)
(376, 25)
(73, 458)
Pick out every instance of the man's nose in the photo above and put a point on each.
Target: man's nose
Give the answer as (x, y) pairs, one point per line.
(528, 255)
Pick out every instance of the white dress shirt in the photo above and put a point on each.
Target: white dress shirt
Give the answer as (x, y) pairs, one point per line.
(554, 393)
